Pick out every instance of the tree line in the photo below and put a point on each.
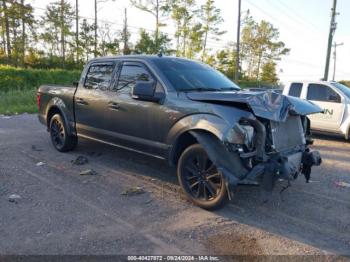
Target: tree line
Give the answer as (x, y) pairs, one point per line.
(61, 39)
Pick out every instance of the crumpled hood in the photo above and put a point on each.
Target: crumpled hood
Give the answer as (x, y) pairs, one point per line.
(269, 105)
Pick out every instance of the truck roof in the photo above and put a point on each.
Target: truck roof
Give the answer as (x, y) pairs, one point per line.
(314, 82)
(141, 57)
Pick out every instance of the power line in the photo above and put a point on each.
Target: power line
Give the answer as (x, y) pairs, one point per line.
(272, 17)
(289, 16)
(101, 20)
(289, 9)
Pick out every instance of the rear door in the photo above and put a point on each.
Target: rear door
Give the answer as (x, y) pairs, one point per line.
(91, 100)
(331, 102)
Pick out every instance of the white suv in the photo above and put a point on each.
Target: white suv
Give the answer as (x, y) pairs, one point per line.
(333, 97)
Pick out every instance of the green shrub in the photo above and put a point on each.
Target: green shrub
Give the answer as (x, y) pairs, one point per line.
(347, 83)
(18, 86)
(18, 101)
(28, 79)
(255, 84)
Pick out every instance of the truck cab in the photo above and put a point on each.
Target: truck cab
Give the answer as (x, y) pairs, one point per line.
(332, 97)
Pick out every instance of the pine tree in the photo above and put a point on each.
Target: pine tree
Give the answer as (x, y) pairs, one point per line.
(86, 39)
(269, 74)
(210, 17)
(156, 8)
(57, 23)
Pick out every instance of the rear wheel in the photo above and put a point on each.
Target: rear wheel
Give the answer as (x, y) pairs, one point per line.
(60, 137)
(199, 178)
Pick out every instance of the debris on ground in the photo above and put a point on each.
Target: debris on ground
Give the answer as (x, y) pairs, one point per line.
(88, 172)
(132, 191)
(40, 164)
(94, 154)
(80, 160)
(14, 198)
(148, 202)
(342, 184)
(35, 148)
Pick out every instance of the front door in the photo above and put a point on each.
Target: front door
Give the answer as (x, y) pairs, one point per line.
(133, 122)
(331, 102)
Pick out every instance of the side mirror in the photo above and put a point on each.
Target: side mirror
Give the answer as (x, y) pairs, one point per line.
(76, 83)
(334, 98)
(146, 90)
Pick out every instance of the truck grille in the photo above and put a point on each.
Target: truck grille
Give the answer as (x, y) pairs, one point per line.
(287, 135)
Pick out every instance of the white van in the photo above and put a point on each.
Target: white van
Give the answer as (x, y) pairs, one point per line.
(333, 97)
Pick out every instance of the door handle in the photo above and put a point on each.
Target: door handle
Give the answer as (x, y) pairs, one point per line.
(113, 106)
(81, 101)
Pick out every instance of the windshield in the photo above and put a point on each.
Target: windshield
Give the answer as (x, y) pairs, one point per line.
(186, 75)
(344, 89)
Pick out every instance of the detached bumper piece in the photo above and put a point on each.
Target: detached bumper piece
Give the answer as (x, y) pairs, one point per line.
(309, 160)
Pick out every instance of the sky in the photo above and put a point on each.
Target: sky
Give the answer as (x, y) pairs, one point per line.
(303, 25)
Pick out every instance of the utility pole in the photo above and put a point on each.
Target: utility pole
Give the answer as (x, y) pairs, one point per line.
(96, 23)
(23, 51)
(7, 29)
(77, 29)
(63, 40)
(126, 50)
(333, 27)
(95, 44)
(335, 58)
(238, 41)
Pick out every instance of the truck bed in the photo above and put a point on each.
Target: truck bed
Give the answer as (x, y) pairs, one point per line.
(59, 95)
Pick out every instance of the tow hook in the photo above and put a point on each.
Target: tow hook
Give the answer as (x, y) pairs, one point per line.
(309, 160)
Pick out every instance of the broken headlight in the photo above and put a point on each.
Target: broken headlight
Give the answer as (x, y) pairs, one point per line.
(241, 135)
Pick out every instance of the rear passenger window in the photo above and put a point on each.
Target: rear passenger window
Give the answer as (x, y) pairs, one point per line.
(322, 93)
(99, 76)
(295, 89)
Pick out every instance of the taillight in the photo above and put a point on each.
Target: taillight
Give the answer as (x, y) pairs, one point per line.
(38, 99)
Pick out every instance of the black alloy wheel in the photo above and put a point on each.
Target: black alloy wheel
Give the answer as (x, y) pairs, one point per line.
(57, 133)
(202, 182)
(60, 137)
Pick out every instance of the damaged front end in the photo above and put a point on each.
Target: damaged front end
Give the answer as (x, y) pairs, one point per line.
(262, 149)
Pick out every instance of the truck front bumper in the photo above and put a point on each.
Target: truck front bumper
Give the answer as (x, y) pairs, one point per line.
(284, 167)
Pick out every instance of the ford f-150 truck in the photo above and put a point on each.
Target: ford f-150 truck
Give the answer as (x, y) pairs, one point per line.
(184, 111)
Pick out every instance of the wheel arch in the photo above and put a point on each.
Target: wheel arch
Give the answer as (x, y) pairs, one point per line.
(184, 140)
(347, 135)
(57, 106)
(181, 134)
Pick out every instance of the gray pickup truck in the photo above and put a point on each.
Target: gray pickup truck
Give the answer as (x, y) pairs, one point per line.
(183, 111)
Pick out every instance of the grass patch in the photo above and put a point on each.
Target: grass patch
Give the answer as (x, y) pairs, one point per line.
(18, 101)
(18, 86)
(12, 78)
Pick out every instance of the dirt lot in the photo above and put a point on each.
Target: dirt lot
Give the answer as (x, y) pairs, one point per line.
(62, 212)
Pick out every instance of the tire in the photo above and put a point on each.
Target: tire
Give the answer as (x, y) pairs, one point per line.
(60, 138)
(200, 180)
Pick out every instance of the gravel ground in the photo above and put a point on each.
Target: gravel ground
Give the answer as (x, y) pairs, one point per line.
(133, 205)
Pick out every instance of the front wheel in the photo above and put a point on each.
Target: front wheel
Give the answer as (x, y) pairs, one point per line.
(202, 183)
(60, 137)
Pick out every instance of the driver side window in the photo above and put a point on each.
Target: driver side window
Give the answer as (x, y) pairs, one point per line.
(128, 77)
